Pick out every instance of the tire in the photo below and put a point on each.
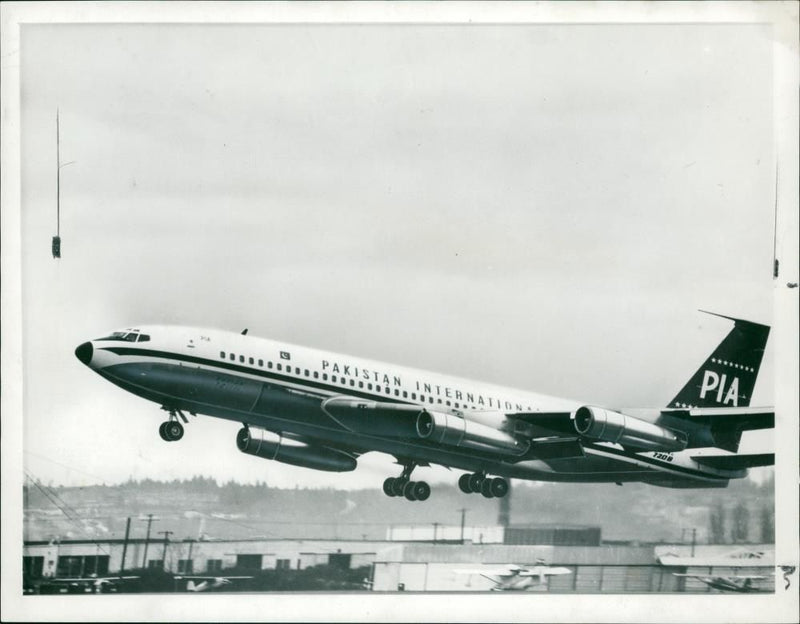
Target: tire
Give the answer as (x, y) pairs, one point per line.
(408, 491)
(388, 487)
(463, 483)
(486, 488)
(422, 491)
(475, 481)
(161, 431)
(499, 487)
(173, 430)
(398, 486)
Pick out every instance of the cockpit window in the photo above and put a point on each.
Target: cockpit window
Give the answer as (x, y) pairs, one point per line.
(125, 336)
(143, 337)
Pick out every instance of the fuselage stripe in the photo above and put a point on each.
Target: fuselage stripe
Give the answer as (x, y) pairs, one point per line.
(304, 382)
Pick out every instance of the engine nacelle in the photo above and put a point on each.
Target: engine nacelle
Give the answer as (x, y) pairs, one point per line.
(453, 430)
(268, 445)
(609, 426)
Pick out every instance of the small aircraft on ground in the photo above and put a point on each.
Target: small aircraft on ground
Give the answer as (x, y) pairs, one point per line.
(518, 578)
(208, 583)
(87, 585)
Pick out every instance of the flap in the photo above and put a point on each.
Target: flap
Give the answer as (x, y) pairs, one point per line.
(557, 448)
(556, 422)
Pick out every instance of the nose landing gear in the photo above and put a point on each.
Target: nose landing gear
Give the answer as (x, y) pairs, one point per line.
(172, 430)
(403, 486)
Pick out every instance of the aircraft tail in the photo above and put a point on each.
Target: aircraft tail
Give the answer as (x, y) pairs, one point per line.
(728, 376)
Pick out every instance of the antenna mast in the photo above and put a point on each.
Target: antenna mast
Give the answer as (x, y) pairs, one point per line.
(57, 237)
(58, 177)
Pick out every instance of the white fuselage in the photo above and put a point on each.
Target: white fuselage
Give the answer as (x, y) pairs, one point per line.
(281, 387)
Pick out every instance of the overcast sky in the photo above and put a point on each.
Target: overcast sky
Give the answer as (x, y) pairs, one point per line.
(544, 207)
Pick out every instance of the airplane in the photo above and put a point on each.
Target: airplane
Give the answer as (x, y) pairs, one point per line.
(517, 578)
(323, 410)
(208, 582)
(743, 582)
(740, 583)
(738, 558)
(89, 585)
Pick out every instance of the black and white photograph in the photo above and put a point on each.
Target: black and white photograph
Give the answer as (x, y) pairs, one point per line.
(400, 311)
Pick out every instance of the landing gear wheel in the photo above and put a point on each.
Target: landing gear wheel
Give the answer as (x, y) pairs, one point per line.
(173, 430)
(475, 481)
(463, 483)
(499, 487)
(398, 487)
(162, 433)
(408, 491)
(421, 490)
(486, 488)
(388, 486)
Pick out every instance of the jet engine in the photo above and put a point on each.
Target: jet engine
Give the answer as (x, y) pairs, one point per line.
(268, 445)
(609, 426)
(453, 430)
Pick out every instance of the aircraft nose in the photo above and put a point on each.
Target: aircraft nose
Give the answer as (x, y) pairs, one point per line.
(84, 352)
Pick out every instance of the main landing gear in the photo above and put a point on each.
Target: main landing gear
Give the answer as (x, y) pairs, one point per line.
(403, 486)
(479, 483)
(172, 430)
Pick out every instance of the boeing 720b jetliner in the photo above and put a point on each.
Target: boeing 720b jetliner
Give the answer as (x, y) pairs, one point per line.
(323, 410)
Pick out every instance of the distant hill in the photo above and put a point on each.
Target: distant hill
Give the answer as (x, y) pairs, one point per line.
(200, 507)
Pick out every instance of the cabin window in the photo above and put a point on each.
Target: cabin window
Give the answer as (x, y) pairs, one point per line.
(439, 401)
(306, 372)
(269, 364)
(251, 361)
(360, 384)
(325, 376)
(414, 396)
(316, 375)
(396, 392)
(233, 357)
(297, 369)
(333, 378)
(446, 403)
(222, 354)
(261, 363)
(405, 394)
(241, 358)
(279, 366)
(353, 382)
(430, 400)
(369, 386)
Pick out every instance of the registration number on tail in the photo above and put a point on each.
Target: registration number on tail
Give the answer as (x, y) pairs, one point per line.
(667, 457)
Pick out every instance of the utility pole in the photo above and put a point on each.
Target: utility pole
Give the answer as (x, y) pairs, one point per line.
(463, 511)
(166, 535)
(147, 539)
(125, 545)
(189, 565)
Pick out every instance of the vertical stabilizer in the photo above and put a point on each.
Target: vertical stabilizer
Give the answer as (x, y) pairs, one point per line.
(728, 376)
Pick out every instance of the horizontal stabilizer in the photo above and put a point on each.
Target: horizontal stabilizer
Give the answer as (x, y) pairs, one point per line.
(738, 418)
(736, 462)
